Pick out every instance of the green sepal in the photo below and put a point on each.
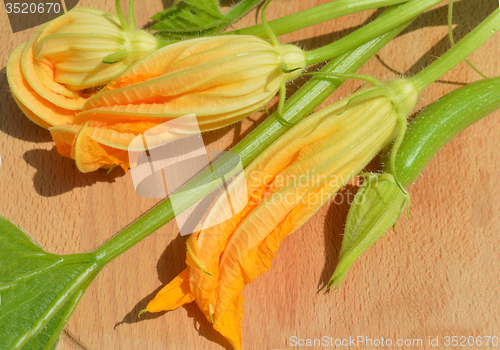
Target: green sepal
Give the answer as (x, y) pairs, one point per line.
(376, 208)
(115, 57)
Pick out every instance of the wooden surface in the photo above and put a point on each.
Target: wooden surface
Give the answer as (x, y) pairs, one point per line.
(437, 275)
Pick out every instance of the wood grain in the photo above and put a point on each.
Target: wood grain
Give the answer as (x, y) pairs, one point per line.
(437, 275)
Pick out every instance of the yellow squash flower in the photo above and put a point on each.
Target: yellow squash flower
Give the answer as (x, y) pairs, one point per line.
(52, 76)
(220, 79)
(286, 185)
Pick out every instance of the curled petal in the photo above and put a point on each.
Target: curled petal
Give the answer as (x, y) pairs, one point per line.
(36, 107)
(230, 325)
(94, 147)
(54, 74)
(47, 88)
(173, 295)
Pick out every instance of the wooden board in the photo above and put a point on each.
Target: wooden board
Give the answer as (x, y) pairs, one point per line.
(436, 276)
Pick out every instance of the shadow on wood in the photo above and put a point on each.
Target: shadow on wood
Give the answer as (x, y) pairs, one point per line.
(333, 232)
(170, 264)
(57, 174)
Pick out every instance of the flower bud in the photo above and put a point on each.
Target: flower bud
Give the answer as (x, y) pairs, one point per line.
(377, 206)
(220, 79)
(52, 76)
(286, 185)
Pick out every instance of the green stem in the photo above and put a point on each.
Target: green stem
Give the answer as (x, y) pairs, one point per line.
(391, 18)
(459, 52)
(313, 93)
(440, 122)
(269, 32)
(131, 18)
(452, 41)
(121, 16)
(241, 9)
(315, 15)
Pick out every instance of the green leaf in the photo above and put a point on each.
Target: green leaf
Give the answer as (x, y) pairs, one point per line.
(210, 6)
(196, 18)
(38, 290)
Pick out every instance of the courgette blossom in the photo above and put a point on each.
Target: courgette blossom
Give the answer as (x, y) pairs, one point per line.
(52, 75)
(286, 185)
(220, 79)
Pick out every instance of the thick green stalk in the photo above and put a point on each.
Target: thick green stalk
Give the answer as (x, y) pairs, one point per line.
(315, 15)
(440, 122)
(391, 18)
(300, 104)
(478, 36)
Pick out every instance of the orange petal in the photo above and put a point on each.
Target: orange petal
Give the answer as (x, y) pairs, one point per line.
(302, 170)
(95, 147)
(214, 240)
(44, 85)
(37, 108)
(155, 65)
(230, 325)
(212, 111)
(173, 58)
(31, 116)
(90, 155)
(189, 67)
(64, 137)
(173, 295)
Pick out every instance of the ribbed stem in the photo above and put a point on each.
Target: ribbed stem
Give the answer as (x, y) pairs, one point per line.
(471, 42)
(315, 15)
(390, 19)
